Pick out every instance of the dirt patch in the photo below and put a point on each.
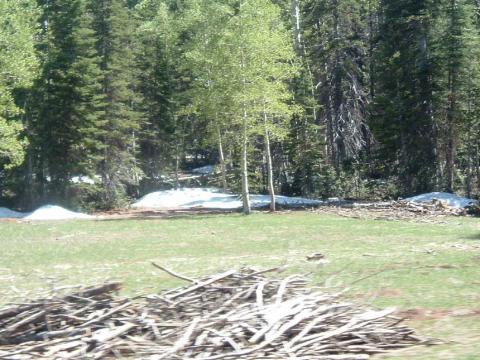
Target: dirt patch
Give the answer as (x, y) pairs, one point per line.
(435, 314)
(153, 214)
(388, 293)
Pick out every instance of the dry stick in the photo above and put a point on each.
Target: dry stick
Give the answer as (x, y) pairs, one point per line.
(183, 341)
(293, 310)
(282, 288)
(170, 272)
(227, 338)
(260, 273)
(62, 347)
(13, 311)
(308, 327)
(26, 321)
(102, 337)
(100, 290)
(353, 324)
(203, 284)
(32, 348)
(262, 345)
(107, 315)
(259, 294)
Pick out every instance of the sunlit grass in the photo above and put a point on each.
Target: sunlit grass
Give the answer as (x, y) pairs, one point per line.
(407, 265)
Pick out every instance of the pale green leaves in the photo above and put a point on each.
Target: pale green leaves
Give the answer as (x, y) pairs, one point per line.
(18, 64)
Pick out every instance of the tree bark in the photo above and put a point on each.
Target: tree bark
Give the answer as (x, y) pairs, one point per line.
(268, 154)
(244, 165)
(135, 167)
(244, 162)
(300, 49)
(222, 160)
(451, 114)
(469, 163)
(296, 25)
(477, 160)
(177, 155)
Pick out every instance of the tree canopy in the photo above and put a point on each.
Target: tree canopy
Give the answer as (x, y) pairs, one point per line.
(319, 98)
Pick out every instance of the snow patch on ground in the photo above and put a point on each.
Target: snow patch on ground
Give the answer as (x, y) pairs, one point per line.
(85, 180)
(452, 200)
(53, 212)
(210, 198)
(10, 214)
(205, 170)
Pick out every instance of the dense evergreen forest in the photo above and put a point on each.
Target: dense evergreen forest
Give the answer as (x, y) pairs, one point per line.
(319, 98)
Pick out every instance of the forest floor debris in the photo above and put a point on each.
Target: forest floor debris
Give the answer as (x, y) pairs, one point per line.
(232, 315)
(435, 211)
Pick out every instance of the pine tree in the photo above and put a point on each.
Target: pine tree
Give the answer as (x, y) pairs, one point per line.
(114, 30)
(160, 83)
(65, 113)
(456, 46)
(403, 121)
(338, 49)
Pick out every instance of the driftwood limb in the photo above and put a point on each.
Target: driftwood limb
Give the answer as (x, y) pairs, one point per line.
(233, 315)
(170, 272)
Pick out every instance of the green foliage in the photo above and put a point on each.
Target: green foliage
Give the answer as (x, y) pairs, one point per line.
(11, 147)
(162, 83)
(403, 109)
(353, 98)
(93, 197)
(64, 106)
(18, 64)
(121, 118)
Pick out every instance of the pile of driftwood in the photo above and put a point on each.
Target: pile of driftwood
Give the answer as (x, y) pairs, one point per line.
(433, 211)
(232, 315)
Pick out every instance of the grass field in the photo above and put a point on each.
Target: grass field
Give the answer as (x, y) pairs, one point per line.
(431, 272)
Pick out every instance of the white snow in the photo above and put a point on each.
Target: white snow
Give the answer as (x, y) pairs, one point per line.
(210, 198)
(10, 214)
(452, 200)
(204, 170)
(53, 212)
(85, 180)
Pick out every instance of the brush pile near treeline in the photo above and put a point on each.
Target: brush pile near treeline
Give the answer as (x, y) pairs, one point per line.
(232, 315)
(433, 211)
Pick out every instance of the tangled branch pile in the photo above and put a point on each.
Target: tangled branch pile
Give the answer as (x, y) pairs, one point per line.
(233, 315)
(433, 212)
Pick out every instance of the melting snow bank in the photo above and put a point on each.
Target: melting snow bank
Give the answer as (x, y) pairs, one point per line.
(205, 170)
(210, 198)
(10, 214)
(47, 212)
(52, 212)
(452, 200)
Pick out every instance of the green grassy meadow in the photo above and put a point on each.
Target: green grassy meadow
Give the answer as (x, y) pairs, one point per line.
(429, 271)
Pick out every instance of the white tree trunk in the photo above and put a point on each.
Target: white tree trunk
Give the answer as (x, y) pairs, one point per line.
(222, 160)
(244, 165)
(271, 189)
(244, 161)
(296, 25)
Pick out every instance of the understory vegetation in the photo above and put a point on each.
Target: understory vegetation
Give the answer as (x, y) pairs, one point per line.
(103, 101)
